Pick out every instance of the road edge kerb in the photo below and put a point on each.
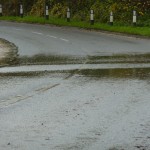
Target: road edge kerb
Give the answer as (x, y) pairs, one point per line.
(8, 52)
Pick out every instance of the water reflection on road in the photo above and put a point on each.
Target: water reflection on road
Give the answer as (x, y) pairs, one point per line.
(132, 73)
(96, 105)
(113, 73)
(107, 108)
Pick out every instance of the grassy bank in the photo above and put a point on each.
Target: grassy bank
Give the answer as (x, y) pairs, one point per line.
(142, 31)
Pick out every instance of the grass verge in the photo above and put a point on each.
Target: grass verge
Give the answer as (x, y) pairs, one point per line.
(142, 31)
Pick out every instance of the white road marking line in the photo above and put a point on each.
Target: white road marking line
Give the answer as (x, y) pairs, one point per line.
(52, 36)
(64, 40)
(37, 33)
(18, 29)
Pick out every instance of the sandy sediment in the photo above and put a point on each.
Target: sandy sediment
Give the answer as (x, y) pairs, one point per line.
(2, 50)
(8, 52)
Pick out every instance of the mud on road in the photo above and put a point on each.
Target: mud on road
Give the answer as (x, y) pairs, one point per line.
(8, 53)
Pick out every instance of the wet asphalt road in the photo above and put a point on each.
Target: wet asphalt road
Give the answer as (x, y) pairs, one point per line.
(100, 109)
(38, 39)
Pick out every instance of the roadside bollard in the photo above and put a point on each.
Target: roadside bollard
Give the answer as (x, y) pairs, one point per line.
(134, 18)
(21, 10)
(47, 13)
(92, 17)
(1, 10)
(68, 15)
(111, 18)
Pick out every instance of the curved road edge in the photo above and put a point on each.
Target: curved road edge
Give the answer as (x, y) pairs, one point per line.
(8, 53)
(102, 30)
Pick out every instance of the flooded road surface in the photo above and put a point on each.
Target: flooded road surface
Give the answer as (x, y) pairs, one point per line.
(74, 90)
(72, 109)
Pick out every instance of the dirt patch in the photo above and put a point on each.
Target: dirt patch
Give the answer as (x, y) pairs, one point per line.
(120, 58)
(43, 59)
(8, 53)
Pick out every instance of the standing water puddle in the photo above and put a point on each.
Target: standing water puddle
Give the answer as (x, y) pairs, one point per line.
(140, 73)
(133, 65)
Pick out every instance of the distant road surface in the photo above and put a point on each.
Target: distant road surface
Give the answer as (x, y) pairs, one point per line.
(34, 39)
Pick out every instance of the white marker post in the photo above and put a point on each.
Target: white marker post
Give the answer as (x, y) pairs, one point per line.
(92, 16)
(21, 10)
(68, 15)
(1, 10)
(47, 13)
(134, 18)
(111, 18)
